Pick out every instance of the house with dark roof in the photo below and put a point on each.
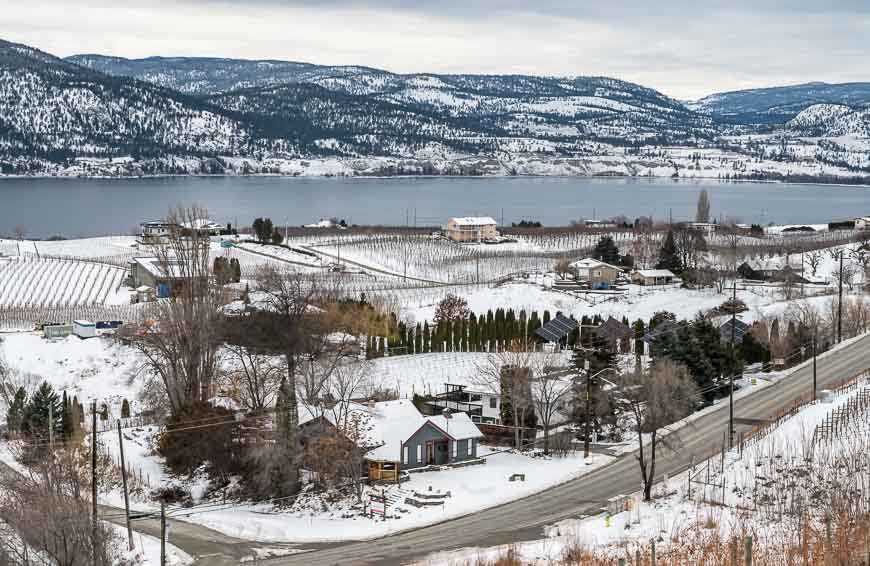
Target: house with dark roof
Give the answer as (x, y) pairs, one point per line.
(619, 337)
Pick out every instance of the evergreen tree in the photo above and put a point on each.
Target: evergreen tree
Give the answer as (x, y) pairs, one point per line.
(44, 408)
(66, 418)
(427, 339)
(607, 251)
(276, 237)
(17, 412)
(236, 269)
(104, 412)
(125, 409)
(258, 229)
(668, 256)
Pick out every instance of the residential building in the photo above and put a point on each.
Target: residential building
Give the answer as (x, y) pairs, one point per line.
(481, 406)
(862, 223)
(471, 229)
(740, 328)
(406, 440)
(155, 230)
(598, 274)
(618, 336)
(650, 277)
(151, 272)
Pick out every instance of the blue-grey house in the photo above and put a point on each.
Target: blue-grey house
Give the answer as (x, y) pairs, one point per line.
(403, 439)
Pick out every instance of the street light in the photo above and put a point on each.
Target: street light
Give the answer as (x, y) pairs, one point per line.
(589, 378)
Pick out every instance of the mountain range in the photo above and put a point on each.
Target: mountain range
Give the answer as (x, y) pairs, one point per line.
(182, 114)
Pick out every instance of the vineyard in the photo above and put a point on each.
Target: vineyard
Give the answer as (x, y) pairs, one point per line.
(30, 282)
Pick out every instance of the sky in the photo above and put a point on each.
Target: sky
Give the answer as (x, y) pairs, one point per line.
(686, 49)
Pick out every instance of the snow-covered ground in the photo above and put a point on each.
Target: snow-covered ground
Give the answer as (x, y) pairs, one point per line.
(93, 369)
(472, 489)
(759, 482)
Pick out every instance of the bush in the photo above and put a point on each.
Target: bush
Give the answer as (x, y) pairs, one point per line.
(200, 435)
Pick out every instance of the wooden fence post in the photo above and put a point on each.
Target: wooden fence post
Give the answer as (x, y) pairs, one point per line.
(747, 551)
(653, 552)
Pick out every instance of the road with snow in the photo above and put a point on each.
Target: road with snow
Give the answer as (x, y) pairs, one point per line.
(525, 519)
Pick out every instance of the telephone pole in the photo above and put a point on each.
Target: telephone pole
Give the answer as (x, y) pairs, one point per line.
(162, 533)
(733, 351)
(840, 305)
(126, 493)
(94, 477)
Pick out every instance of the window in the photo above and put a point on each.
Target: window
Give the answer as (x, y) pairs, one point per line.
(596, 273)
(493, 403)
(419, 454)
(405, 456)
(469, 446)
(455, 448)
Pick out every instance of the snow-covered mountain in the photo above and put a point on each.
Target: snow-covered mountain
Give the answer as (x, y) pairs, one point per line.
(492, 106)
(778, 105)
(831, 120)
(52, 109)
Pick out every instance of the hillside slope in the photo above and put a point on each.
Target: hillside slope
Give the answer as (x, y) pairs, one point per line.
(778, 105)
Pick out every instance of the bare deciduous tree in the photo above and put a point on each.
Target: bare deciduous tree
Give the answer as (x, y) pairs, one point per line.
(552, 393)
(181, 346)
(652, 401)
(48, 507)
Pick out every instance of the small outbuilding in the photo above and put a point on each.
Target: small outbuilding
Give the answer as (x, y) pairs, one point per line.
(651, 277)
(84, 328)
(57, 330)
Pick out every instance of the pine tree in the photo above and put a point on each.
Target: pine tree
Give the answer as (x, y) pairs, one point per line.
(607, 251)
(44, 408)
(276, 237)
(427, 338)
(125, 409)
(668, 256)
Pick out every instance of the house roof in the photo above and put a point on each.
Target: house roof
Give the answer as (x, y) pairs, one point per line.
(474, 221)
(589, 263)
(459, 426)
(740, 328)
(557, 328)
(614, 330)
(655, 273)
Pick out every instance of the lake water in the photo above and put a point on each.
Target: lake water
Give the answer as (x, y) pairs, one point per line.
(87, 207)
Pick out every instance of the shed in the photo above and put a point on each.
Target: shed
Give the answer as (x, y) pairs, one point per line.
(57, 330)
(84, 328)
(648, 277)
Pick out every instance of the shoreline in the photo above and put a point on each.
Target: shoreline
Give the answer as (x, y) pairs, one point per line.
(633, 178)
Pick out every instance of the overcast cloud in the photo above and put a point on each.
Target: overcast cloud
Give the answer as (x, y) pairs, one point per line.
(685, 49)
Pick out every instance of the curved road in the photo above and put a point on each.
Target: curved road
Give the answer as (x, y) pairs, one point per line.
(525, 519)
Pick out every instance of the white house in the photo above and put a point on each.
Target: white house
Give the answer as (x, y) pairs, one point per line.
(596, 272)
(862, 223)
(471, 229)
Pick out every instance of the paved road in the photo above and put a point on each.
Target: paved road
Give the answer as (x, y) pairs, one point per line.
(524, 519)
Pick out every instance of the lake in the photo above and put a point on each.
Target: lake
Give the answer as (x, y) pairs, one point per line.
(89, 207)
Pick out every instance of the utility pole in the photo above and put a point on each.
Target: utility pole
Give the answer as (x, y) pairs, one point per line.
(126, 494)
(840, 305)
(814, 364)
(94, 476)
(733, 351)
(586, 366)
(162, 534)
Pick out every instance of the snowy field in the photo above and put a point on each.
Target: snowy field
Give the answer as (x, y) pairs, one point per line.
(29, 282)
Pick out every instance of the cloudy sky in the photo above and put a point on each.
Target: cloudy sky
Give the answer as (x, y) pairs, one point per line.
(686, 49)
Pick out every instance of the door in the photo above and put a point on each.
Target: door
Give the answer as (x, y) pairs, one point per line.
(430, 453)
